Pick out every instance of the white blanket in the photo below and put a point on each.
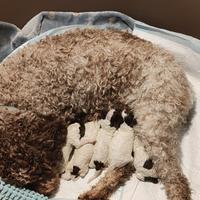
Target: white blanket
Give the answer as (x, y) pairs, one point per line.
(134, 189)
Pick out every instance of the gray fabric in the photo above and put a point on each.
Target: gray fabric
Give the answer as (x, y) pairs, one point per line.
(12, 37)
(7, 33)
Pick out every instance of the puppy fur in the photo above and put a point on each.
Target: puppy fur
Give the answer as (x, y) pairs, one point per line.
(49, 82)
(82, 156)
(121, 145)
(144, 166)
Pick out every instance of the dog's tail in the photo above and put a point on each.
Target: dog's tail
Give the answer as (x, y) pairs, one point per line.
(109, 183)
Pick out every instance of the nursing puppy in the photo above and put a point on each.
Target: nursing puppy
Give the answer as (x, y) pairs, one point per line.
(121, 147)
(75, 139)
(144, 166)
(92, 69)
(79, 163)
(107, 128)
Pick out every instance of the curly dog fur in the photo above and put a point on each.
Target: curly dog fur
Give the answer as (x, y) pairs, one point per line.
(49, 82)
(108, 184)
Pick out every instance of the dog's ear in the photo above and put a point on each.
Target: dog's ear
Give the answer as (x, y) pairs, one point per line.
(116, 119)
(130, 120)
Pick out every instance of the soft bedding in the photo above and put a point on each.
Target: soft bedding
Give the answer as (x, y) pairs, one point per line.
(187, 51)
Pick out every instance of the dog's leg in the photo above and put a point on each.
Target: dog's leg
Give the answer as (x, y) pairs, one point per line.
(108, 184)
(162, 109)
(162, 147)
(47, 186)
(161, 106)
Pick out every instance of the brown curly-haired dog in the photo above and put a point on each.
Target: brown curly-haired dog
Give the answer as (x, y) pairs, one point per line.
(50, 82)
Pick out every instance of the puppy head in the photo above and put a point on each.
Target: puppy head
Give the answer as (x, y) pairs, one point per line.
(79, 117)
(130, 120)
(116, 119)
(104, 114)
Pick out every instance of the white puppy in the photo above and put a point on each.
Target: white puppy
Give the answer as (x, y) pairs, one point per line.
(143, 164)
(101, 149)
(73, 140)
(120, 151)
(103, 140)
(79, 163)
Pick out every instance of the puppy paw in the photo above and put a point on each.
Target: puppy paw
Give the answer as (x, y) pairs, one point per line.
(147, 177)
(66, 176)
(84, 172)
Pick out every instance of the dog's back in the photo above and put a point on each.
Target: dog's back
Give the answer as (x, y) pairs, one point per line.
(69, 70)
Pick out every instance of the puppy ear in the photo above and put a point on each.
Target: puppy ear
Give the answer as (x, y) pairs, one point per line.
(82, 130)
(130, 120)
(116, 119)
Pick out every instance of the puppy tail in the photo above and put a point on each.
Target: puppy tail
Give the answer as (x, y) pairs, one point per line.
(109, 183)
